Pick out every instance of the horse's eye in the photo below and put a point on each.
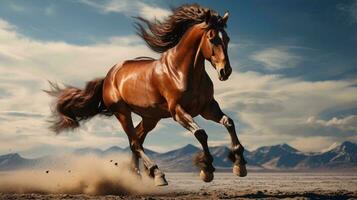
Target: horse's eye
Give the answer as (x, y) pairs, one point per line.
(215, 40)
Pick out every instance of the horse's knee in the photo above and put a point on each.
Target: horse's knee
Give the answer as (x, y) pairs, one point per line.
(227, 122)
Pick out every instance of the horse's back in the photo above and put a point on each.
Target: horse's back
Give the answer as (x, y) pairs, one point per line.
(132, 83)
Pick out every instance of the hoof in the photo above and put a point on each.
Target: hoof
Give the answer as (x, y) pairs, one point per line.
(206, 176)
(160, 180)
(240, 170)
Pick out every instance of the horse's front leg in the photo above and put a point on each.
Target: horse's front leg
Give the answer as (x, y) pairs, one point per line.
(203, 160)
(213, 112)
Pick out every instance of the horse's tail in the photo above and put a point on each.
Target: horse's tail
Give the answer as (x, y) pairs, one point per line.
(73, 105)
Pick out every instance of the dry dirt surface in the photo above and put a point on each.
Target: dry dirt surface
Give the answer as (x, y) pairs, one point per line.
(100, 178)
(225, 186)
(202, 194)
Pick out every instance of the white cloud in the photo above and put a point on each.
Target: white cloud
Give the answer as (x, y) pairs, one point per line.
(129, 8)
(20, 114)
(348, 123)
(225, 142)
(276, 58)
(4, 25)
(16, 7)
(152, 12)
(314, 143)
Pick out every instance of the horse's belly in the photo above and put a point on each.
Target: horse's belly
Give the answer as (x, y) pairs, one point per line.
(153, 111)
(145, 101)
(147, 104)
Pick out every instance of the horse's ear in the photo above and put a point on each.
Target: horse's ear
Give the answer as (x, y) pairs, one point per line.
(208, 16)
(225, 17)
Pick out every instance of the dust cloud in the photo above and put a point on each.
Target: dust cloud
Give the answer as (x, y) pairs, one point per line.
(80, 175)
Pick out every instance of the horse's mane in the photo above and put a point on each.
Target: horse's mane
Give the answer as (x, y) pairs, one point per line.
(163, 35)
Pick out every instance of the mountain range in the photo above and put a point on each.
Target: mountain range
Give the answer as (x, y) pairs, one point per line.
(276, 158)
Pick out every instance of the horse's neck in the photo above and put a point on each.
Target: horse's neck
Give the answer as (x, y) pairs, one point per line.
(186, 58)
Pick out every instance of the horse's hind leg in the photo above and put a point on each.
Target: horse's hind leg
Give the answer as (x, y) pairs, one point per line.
(142, 129)
(135, 141)
(135, 164)
(145, 126)
(153, 169)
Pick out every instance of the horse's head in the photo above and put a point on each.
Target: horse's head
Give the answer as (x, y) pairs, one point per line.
(214, 46)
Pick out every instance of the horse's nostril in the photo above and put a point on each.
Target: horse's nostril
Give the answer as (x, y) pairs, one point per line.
(221, 72)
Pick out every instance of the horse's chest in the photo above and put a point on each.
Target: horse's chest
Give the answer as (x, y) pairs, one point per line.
(195, 101)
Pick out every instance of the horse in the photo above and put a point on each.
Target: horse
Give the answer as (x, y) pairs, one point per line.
(174, 86)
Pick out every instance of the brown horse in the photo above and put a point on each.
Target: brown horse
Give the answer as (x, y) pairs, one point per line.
(175, 85)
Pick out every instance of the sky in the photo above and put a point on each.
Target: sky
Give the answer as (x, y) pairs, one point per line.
(294, 79)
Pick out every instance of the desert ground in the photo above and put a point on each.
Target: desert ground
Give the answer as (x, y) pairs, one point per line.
(92, 177)
(275, 185)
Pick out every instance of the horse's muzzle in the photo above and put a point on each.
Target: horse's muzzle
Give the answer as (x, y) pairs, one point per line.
(223, 74)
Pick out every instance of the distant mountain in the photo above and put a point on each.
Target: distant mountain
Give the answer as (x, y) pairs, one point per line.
(88, 150)
(342, 156)
(109, 151)
(181, 152)
(280, 156)
(179, 159)
(114, 150)
(220, 157)
(277, 157)
(14, 161)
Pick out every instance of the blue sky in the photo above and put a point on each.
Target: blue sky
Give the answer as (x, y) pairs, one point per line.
(294, 80)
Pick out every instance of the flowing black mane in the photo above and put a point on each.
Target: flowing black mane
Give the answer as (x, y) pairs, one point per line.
(163, 35)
